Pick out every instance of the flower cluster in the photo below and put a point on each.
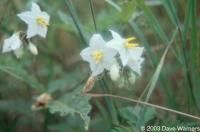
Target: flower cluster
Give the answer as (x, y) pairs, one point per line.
(38, 22)
(103, 55)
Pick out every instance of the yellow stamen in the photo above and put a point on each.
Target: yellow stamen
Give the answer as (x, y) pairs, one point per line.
(97, 56)
(129, 45)
(42, 22)
(131, 39)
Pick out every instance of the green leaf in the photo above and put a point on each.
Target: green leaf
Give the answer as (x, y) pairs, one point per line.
(151, 85)
(171, 10)
(153, 21)
(21, 74)
(19, 106)
(132, 114)
(128, 114)
(72, 103)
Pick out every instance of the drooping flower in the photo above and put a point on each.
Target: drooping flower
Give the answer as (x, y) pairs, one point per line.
(14, 44)
(127, 48)
(37, 21)
(98, 55)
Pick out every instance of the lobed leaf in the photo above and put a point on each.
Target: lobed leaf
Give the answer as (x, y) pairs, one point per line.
(21, 74)
(73, 103)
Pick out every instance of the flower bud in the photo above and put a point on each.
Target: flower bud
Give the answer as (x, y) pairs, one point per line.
(42, 101)
(32, 48)
(89, 84)
(114, 72)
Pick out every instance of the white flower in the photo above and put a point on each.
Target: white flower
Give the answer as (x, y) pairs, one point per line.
(135, 64)
(98, 55)
(13, 44)
(32, 48)
(36, 20)
(115, 72)
(125, 47)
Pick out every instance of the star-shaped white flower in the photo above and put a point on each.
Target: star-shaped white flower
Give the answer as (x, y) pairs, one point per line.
(37, 21)
(136, 64)
(98, 55)
(13, 44)
(127, 48)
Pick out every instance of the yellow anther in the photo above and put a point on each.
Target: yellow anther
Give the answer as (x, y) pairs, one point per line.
(129, 45)
(97, 56)
(42, 22)
(130, 39)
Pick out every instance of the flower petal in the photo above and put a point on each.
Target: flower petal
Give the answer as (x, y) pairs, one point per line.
(32, 30)
(97, 40)
(98, 70)
(136, 52)
(114, 44)
(35, 8)
(107, 64)
(124, 57)
(6, 46)
(115, 35)
(45, 16)
(27, 17)
(86, 54)
(135, 65)
(42, 31)
(12, 43)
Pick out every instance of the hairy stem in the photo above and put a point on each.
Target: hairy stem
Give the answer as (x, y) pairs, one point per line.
(144, 103)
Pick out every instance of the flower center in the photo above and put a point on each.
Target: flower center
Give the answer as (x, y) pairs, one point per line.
(129, 44)
(97, 56)
(42, 22)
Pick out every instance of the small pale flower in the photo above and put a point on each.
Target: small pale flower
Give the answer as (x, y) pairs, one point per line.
(126, 48)
(32, 48)
(14, 44)
(98, 55)
(115, 72)
(37, 21)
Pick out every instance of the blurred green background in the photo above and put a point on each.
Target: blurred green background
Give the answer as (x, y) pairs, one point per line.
(58, 68)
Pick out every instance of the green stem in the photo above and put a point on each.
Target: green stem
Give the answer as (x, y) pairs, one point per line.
(183, 42)
(145, 103)
(46, 120)
(75, 19)
(93, 16)
(110, 104)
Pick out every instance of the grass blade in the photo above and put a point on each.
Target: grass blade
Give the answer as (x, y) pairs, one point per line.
(156, 74)
(76, 20)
